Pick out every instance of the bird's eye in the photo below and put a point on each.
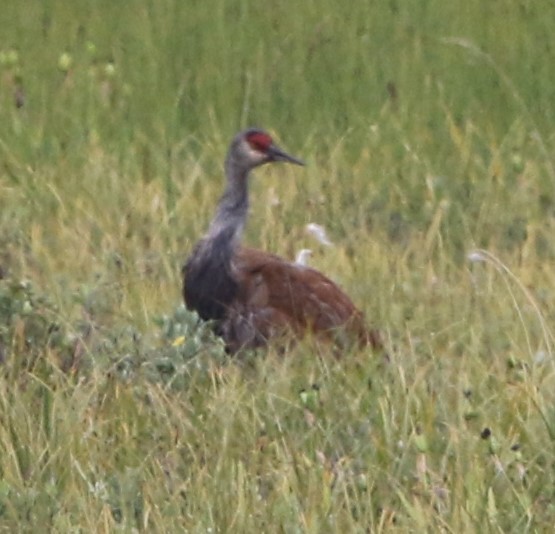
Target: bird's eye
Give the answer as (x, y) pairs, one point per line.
(259, 141)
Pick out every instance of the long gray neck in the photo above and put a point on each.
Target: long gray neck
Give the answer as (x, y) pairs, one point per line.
(233, 207)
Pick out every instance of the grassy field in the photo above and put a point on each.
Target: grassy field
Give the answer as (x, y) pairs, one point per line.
(428, 129)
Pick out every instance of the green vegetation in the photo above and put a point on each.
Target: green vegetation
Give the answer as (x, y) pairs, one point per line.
(428, 132)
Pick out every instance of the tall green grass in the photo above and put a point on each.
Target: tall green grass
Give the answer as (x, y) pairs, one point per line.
(427, 128)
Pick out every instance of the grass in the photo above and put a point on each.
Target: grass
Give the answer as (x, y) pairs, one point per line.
(428, 132)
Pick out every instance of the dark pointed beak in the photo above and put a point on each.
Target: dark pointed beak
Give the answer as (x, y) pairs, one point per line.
(276, 154)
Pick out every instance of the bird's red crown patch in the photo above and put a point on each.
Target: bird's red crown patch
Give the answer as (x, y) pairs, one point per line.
(259, 141)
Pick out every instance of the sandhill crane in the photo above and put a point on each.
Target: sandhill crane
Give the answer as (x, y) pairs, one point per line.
(251, 295)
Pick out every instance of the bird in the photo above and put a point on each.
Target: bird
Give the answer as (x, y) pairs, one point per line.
(254, 297)
(302, 256)
(319, 233)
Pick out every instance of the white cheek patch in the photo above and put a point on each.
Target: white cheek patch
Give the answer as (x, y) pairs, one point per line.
(253, 154)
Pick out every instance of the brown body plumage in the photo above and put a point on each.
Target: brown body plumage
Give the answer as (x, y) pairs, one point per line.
(254, 296)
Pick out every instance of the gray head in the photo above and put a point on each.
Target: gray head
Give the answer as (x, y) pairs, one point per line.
(253, 147)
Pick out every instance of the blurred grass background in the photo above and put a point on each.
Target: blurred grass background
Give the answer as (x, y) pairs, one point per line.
(428, 132)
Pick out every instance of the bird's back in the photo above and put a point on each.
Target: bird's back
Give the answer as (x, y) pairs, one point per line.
(275, 295)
